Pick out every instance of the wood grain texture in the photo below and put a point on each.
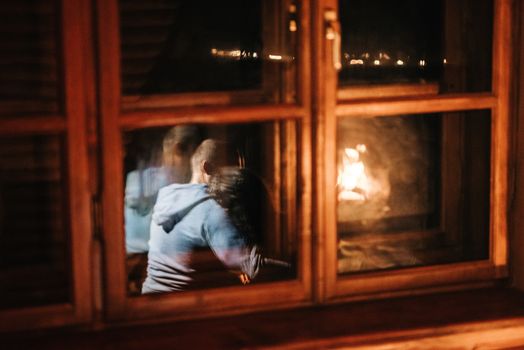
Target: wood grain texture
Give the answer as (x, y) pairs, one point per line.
(72, 126)
(406, 281)
(484, 318)
(140, 102)
(79, 191)
(114, 121)
(390, 104)
(502, 63)
(151, 118)
(326, 90)
(112, 179)
(384, 91)
(416, 105)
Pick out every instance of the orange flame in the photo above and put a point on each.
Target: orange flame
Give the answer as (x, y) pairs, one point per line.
(353, 182)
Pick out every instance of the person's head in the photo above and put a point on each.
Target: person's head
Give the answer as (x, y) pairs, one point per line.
(178, 146)
(207, 158)
(245, 197)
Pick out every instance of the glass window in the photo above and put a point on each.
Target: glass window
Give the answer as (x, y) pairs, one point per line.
(174, 46)
(34, 264)
(413, 190)
(209, 205)
(28, 66)
(442, 42)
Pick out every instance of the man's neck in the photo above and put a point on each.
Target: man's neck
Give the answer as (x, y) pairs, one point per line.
(197, 178)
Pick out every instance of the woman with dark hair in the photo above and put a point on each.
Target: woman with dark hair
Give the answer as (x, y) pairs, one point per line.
(248, 204)
(245, 198)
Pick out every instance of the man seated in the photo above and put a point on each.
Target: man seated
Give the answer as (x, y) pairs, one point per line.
(194, 242)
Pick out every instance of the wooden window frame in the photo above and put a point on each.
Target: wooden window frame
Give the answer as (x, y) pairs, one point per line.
(70, 124)
(317, 107)
(395, 100)
(275, 36)
(117, 117)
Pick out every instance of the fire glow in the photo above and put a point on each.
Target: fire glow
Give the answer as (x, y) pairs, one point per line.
(353, 182)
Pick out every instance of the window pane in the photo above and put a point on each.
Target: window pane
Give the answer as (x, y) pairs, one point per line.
(34, 264)
(173, 46)
(199, 207)
(413, 190)
(443, 42)
(28, 64)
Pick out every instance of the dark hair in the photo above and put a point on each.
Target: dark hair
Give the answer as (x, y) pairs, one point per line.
(245, 197)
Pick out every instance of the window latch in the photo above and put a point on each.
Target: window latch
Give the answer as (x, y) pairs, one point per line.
(333, 34)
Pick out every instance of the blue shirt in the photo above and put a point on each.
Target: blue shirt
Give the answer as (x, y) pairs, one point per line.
(192, 238)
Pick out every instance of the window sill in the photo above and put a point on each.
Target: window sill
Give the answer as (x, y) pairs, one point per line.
(485, 318)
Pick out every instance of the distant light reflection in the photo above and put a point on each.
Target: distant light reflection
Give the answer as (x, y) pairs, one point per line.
(355, 61)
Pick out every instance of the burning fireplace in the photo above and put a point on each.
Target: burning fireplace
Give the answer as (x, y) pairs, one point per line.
(397, 190)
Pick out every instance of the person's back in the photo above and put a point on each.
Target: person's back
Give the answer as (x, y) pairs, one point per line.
(192, 237)
(193, 242)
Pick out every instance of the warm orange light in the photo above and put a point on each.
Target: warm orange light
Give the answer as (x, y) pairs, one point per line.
(353, 182)
(356, 61)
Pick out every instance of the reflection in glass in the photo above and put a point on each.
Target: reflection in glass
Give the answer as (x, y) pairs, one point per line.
(28, 64)
(412, 190)
(209, 205)
(446, 42)
(174, 46)
(34, 264)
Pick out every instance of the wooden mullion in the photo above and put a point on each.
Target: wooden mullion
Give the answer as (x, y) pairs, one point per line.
(416, 105)
(141, 119)
(326, 78)
(384, 91)
(304, 148)
(502, 63)
(79, 194)
(112, 180)
(191, 99)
